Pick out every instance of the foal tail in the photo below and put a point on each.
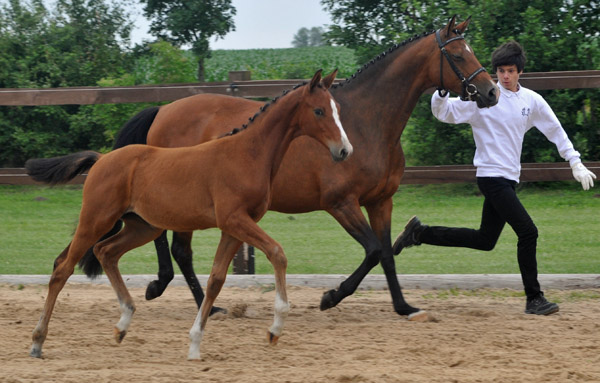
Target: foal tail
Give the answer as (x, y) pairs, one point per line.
(60, 170)
(132, 132)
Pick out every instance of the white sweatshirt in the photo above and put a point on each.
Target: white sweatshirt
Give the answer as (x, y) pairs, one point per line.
(499, 131)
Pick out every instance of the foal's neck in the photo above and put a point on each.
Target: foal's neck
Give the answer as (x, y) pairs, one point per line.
(272, 132)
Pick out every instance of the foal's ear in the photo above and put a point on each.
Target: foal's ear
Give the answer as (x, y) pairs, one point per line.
(327, 81)
(315, 80)
(451, 24)
(462, 26)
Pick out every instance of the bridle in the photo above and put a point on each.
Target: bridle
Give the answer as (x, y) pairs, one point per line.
(469, 90)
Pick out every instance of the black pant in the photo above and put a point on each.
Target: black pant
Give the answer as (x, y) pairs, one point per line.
(501, 205)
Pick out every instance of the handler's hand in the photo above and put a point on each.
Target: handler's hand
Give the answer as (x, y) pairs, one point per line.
(583, 175)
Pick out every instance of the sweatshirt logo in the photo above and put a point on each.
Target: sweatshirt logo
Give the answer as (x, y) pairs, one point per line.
(525, 112)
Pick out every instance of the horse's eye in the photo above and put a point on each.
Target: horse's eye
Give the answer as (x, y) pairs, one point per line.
(457, 57)
(319, 112)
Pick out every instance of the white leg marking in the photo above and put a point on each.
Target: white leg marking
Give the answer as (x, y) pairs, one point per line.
(196, 335)
(126, 314)
(282, 308)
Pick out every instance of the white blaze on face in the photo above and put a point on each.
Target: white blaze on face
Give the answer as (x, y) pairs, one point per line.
(469, 48)
(338, 122)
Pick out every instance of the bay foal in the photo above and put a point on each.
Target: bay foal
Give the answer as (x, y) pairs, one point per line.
(225, 183)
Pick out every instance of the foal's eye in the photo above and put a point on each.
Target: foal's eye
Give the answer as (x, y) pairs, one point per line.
(319, 112)
(457, 57)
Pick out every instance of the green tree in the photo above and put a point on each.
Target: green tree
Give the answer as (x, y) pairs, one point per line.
(301, 38)
(191, 22)
(308, 38)
(76, 44)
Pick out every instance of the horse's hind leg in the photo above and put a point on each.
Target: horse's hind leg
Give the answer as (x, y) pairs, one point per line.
(181, 249)
(57, 281)
(165, 268)
(136, 232)
(64, 265)
(226, 250)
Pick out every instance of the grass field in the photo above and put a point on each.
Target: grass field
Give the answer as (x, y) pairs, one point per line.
(36, 224)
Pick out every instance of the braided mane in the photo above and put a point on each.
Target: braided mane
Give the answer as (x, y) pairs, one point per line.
(262, 109)
(382, 55)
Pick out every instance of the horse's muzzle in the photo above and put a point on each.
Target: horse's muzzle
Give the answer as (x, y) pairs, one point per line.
(486, 100)
(342, 153)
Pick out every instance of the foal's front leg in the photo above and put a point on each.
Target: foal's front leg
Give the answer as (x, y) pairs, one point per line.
(246, 230)
(226, 250)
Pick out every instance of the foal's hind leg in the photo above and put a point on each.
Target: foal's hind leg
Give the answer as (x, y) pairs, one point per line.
(137, 232)
(85, 236)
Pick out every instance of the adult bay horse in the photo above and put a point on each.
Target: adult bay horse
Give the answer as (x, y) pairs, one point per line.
(376, 104)
(225, 183)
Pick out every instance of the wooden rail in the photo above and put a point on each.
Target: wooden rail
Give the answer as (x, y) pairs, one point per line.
(443, 174)
(248, 89)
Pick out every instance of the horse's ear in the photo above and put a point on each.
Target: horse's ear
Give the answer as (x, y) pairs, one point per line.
(327, 81)
(462, 26)
(451, 24)
(315, 80)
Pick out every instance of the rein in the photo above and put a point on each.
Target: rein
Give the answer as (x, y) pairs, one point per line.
(469, 90)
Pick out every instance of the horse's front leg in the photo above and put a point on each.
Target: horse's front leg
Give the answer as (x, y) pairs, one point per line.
(165, 268)
(350, 216)
(246, 230)
(380, 216)
(226, 250)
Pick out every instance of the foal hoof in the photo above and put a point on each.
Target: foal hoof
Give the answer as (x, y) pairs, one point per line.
(273, 339)
(35, 352)
(328, 300)
(119, 335)
(154, 290)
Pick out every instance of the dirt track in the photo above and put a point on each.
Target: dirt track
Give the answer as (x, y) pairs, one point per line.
(480, 336)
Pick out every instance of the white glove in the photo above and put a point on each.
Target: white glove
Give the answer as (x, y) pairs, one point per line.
(583, 175)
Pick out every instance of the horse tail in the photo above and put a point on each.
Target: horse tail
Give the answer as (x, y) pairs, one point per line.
(60, 170)
(136, 129)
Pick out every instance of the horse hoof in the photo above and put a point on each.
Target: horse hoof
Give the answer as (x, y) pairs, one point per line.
(419, 316)
(273, 339)
(216, 310)
(119, 335)
(327, 300)
(153, 290)
(35, 353)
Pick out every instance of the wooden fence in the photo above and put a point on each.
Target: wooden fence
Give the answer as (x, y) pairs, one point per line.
(243, 88)
(240, 86)
(443, 174)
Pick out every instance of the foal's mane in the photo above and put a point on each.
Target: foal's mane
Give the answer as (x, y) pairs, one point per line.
(262, 109)
(382, 55)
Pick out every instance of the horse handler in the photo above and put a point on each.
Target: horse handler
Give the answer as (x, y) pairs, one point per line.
(498, 133)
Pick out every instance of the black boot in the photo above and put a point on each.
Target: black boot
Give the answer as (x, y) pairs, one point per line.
(540, 306)
(410, 236)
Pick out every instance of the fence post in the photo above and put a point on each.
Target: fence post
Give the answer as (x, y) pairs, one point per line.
(243, 262)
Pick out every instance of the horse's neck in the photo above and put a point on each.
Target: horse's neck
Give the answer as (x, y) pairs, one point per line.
(269, 137)
(385, 93)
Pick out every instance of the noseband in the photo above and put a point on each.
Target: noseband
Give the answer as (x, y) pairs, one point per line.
(469, 90)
